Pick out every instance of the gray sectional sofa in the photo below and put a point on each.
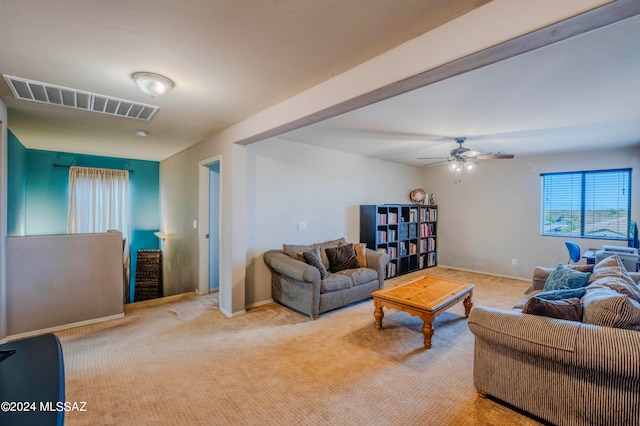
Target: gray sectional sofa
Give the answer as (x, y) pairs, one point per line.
(300, 285)
(565, 372)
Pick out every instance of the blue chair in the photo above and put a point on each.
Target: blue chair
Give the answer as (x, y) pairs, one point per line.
(574, 251)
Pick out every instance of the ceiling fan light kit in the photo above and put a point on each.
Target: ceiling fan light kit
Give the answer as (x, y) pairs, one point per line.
(152, 84)
(463, 158)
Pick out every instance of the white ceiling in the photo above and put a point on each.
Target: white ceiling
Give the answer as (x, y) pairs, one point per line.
(579, 94)
(229, 59)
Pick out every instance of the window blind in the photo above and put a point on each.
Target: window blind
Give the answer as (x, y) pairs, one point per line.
(589, 204)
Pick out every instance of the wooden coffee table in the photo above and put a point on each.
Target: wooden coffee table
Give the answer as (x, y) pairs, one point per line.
(424, 297)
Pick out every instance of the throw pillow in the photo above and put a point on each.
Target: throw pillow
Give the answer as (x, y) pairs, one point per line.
(341, 258)
(361, 253)
(611, 266)
(312, 257)
(605, 307)
(566, 293)
(566, 309)
(564, 277)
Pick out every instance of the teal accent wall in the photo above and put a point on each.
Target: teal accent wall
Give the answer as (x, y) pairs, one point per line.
(46, 199)
(16, 186)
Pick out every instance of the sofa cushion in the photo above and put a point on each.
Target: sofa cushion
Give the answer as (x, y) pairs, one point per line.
(312, 257)
(619, 285)
(564, 277)
(360, 275)
(341, 258)
(606, 307)
(335, 282)
(566, 309)
(612, 267)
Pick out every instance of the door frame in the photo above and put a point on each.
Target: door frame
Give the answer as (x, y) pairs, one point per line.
(203, 228)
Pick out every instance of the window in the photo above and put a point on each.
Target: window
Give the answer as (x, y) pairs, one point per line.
(98, 200)
(592, 204)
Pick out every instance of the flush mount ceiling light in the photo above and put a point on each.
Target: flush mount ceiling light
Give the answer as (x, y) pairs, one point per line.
(152, 84)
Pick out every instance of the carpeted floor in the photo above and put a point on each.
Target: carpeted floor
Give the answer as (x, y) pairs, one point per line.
(180, 361)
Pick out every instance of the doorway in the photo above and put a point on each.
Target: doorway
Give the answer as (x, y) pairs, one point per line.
(214, 226)
(209, 230)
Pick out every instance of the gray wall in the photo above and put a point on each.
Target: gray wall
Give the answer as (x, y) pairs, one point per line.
(58, 280)
(491, 215)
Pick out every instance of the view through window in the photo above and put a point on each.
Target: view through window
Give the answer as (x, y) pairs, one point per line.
(589, 204)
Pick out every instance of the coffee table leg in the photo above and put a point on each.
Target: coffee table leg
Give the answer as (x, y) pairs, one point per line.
(378, 314)
(467, 305)
(427, 330)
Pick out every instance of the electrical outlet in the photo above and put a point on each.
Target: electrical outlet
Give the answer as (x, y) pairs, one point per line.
(514, 261)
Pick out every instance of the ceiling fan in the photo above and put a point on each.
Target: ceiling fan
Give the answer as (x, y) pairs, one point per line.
(463, 157)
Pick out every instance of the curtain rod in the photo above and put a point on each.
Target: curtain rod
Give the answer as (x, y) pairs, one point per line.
(62, 165)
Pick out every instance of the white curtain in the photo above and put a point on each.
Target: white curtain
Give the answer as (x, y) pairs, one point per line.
(99, 202)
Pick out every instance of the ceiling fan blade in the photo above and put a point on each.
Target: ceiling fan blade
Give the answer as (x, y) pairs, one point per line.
(437, 162)
(494, 156)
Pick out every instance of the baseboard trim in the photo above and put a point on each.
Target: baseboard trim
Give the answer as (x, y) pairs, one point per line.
(233, 314)
(61, 327)
(484, 273)
(262, 302)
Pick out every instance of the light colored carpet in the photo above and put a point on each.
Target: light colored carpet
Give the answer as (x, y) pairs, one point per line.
(180, 361)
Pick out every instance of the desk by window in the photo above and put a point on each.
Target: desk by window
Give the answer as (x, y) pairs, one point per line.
(590, 256)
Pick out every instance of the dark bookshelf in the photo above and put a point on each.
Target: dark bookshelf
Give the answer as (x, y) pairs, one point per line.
(406, 232)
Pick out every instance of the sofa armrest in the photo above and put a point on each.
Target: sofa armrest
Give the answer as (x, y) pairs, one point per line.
(378, 261)
(282, 263)
(540, 275)
(602, 349)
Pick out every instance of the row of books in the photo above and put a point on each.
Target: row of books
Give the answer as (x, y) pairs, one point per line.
(428, 244)
(427, 229)
(387, 218)
(387, 236)
(391, 270)
(429, 258)
(428, 215)
(425, 245)
(412, 248)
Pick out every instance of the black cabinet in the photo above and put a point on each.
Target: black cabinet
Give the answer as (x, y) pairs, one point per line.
(407, 232)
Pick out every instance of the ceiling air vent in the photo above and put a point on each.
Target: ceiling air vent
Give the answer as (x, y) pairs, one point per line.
(57, 95)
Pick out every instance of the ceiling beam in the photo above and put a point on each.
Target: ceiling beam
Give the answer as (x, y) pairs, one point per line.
(563, 30)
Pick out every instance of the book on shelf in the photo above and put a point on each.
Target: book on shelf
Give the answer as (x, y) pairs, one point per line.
(393, 218)
(393, 252)
(392, 235)
(413, 248)
(382, 218)
(391, 270)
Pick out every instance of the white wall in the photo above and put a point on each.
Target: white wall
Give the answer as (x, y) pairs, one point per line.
(493, 214)
(290, 182)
